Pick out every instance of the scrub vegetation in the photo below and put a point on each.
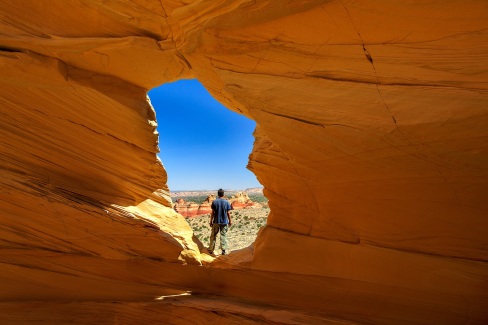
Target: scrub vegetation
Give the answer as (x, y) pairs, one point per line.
(245, 226)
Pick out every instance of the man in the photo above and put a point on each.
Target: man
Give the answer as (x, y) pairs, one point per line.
(220, 221)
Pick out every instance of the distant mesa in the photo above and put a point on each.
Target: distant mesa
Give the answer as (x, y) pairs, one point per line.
(240, 200)
(252, 190)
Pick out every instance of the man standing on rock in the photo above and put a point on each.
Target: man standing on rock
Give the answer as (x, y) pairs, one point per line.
(220, 221)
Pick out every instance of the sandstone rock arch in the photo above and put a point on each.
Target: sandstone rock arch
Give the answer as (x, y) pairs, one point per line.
(371, 144)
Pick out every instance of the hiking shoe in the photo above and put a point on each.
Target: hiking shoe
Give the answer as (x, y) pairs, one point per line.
(223, 252)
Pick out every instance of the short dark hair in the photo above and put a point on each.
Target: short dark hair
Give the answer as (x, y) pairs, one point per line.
(220, 192)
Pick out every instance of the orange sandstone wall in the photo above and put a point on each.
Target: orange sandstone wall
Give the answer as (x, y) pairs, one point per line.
(371, 143)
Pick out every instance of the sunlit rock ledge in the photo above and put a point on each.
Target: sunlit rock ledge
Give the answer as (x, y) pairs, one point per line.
(371, 143)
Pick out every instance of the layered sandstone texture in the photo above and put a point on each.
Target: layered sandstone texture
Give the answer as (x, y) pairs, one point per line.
(371, 143)
(192, 209)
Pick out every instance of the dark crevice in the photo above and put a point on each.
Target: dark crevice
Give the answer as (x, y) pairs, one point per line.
(293, 118)
(370, 59)
(10, 49)
(368, 55)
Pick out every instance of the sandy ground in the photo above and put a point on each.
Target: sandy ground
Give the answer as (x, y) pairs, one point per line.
(242, 233)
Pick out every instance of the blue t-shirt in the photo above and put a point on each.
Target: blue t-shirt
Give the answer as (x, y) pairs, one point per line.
(220, 207)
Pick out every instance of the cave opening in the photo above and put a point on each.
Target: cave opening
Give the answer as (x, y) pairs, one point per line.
(204, 146)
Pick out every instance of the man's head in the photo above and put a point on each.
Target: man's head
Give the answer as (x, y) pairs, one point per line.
(220, 192)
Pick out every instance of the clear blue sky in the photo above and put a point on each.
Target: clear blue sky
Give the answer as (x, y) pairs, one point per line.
(204, 146)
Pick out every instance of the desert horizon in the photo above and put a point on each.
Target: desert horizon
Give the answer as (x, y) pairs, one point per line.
(213, 191)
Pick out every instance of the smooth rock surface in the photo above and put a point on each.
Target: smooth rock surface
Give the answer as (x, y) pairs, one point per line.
(371, 143)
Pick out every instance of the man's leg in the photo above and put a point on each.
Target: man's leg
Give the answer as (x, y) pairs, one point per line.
(223, 237)
(213, 237)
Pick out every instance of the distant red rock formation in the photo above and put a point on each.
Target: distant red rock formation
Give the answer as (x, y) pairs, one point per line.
(241, 200)
(206, 206)
(186, 209)
(191, 209)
